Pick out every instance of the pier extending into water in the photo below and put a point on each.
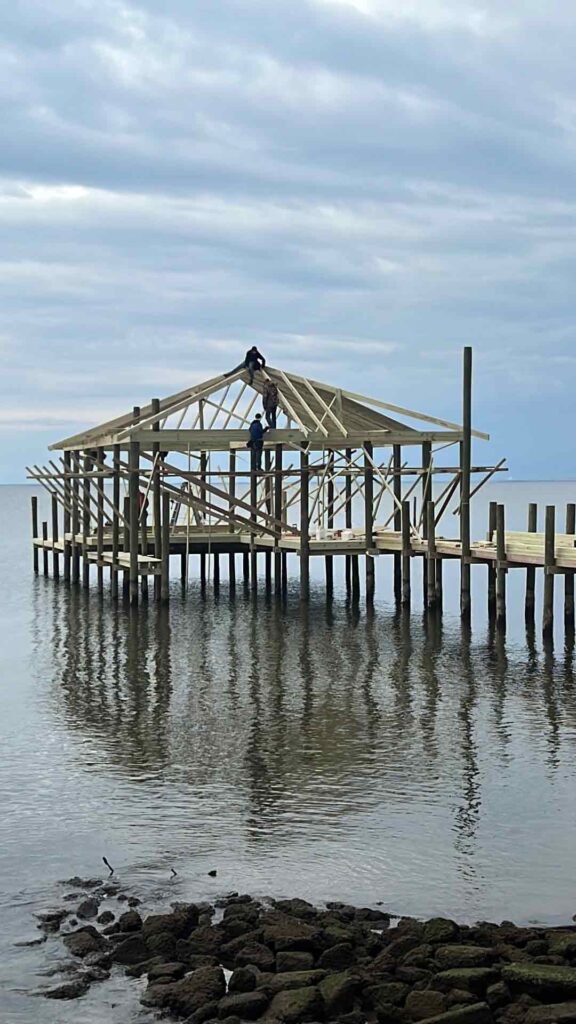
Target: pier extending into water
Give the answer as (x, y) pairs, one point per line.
(176, 478)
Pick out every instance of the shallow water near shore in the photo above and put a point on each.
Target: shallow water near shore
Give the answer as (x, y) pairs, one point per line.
(325, 752)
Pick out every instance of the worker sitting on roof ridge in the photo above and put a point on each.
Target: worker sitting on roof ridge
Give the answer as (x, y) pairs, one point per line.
(270, 402)
(253, 361)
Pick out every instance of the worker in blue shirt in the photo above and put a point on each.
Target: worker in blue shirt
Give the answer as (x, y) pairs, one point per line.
(256, 441)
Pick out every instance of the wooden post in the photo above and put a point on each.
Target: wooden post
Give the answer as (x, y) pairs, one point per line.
(144, 546)
(216, 569)
(75, 517)
(355, 578)
(165, 572)
(100, 521)
(329, 561)
(268, 501)
(304, 526)
(549, 562)
(397, 486)
(491, 565)
(126, 548)
(530, 598)
(66, 517)
(439, 566)
(500, 567)
(156, 499)
(369, 520)
(431, 558)
(465, 462)
(45, 550)
(406, 554)
(426, 495)
(569, 577)
(115, 522)
(183, 573)
(278, 516)
(203, 467)
(35, 534)
(246, 567)
(86, 522)
(253, 519)
(348, 515)
(134, 490)
(232, 494)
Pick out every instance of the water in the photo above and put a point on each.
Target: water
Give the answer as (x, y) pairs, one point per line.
(324, 753)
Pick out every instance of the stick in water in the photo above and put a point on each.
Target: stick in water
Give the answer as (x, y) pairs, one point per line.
(109, 866)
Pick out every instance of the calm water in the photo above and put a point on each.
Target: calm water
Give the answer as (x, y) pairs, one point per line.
(327, 754)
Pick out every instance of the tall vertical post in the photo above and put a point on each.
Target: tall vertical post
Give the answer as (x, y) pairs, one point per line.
(278, 517)
(569, 577)
(100, 521)
(126, 548)
(501, 567)
(231, 509)
(44, 548)
(115, 522)
(530, 597)
(216, 569)
(165, 568)
(465, 463)
(406, 554)
(329, 561)
(304, 526)
(431, 556)
(75, 517)
(203, 469)
(86, 521)
(348, 514)
(253, 519)
(66, 517)
(156, 497)
(133, 493)
(549, 562)
(144, 546)
(35, 534)
(491, 565)
(397, 487)
(268, 500)
(369, 520)
(426, 495)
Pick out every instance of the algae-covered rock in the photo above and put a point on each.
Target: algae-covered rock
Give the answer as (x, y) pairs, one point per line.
(301, 1004)
(296, 960)
(426, 1003)
(545, 981)
(257, 954)
(477, 1013)
(471, 979)
(84, 941)
(564, 946)
(246, 1005)
(189, 994)
(464, 956)
(440, 929)
(563, 1013)
(274, 983)
(338, 992)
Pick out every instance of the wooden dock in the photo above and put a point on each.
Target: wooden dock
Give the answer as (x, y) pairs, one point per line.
(175, 478)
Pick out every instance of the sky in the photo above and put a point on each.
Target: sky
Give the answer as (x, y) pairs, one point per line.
(359, 187)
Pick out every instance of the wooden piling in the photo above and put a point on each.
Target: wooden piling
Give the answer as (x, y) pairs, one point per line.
(115, 522)
(492, 565)
(369, 520)
(100, 521)
(246, 567)
(304, 526)
(549, 563)
(232, 497)
(329, 560)
(500, 567)
(144, 547)
(253, 520)
(439, 567)
(75, 517)
(278, 516)
(156, 497)
(406, 554)
(397, 487)
(431, 555)
(530, 597)
(569, 576)
(86, 522)
(66, 517)
(165, 537)
(216, 569)
(203, 469)
(269, 505)
(348, 515)
(355, 578)
(133, 493)
(426, 495)
(35, 534)
(465, 463)
(126, 548)
(45, 549)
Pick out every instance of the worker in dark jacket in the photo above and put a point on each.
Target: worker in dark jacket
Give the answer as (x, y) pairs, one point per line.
(253, 361)
(256, 441)
(270, 402)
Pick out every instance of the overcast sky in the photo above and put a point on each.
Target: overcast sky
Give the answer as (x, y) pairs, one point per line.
(360, 187)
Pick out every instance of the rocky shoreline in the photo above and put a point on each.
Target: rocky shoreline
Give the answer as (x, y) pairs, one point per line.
(287, 961)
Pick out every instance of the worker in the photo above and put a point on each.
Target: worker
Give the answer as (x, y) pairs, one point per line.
(254, 361)
(256, 442)
(270, 402)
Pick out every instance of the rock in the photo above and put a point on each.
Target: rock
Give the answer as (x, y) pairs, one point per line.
(130, 921)
(245, 1005)
(274, 983)
(96, 974)
(165, 972)
(338, 992)
(84, 941)
(185, 954)
(464, 956)
(386, 993)
(83, 883)
(564, 946)
(537, 947)
(411, 975)
(460, 997)
(257, 954)
(208, 1012)
(51, 920)
(420, 956)
(133, 901)
(545, 981)
(421, 1005)
(106, 917)
(281, 932)
(32, 942)
(291, 1007)
(564, 1013)
(338, 957)
(295, 960)
(88, 909)
(376, 917)
(402, 945)
(498, 995)
(191, 993)
(478, 1013)
(137, 970)
(206, 941)
(161, 944)
(440, 930)
(297, 908)
(132, 950)
(471, 979)
(68, 989)
(179, 923)
(244, 979)
(99, 959)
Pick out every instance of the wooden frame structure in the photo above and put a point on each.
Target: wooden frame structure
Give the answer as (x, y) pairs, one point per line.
(342, 475)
